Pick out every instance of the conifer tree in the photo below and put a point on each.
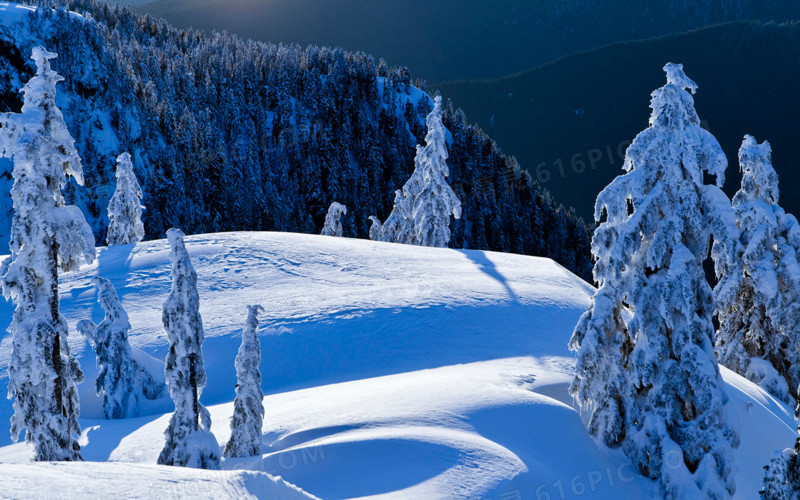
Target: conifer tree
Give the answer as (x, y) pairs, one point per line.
(433, 198)
(121, 382)
(248, 407)
(189, 441)
(421, 213)
(125, 207)
(333, 220)
(46, 235)
(759, 298)
(646, 369)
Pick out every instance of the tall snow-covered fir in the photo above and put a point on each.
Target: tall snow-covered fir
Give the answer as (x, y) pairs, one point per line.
(333, 220)
(759, 298)
(46, 235)
(434, 201)
(248, 407)
(125, 207)
(121, 382)
(422, 210)
(189, 442)
(646, 367)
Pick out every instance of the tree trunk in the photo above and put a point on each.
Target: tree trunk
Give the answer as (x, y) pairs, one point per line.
(54, 320)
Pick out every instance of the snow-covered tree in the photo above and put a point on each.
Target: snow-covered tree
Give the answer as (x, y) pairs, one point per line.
(759, 299)
(333, 220)
(434, 201)
(46, 235)
(646, 368)
(121, 382)
(248, 407)
(125, 207)
(189, 442)
(375, 228)
(421, 212)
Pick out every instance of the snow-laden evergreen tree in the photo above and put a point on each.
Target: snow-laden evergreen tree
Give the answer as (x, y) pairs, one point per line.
(422, 210)
(46, 235)
(375, 228)
(248, 407)
(433, 200)
(121, 382)
(125, 207)
(333, 220)
(189, 442)
(759, 298)
(646, 368)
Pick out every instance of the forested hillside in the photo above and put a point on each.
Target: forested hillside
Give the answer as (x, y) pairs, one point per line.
(227, 134)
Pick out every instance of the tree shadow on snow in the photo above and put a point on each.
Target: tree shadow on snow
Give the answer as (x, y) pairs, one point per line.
(487, 266)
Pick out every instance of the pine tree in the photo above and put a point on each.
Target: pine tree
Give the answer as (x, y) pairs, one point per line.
(248, 407)
(46, 235)
(189, 441)
(421, 213)
(121, 382)
(433, 198)
(759, 298)
(333, 220)
(125, 207)
(649, 375)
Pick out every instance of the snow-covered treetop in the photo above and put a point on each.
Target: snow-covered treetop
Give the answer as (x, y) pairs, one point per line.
(44, 153)
(125, 207)
(252, 318)
(39, 101)
(759, 179)
(109, 301)
(685, 148)
(184, 277)
(435, 150)
(333, 220)
(676, 76)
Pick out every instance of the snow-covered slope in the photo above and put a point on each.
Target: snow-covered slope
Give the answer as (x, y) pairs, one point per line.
(389, 370)
(107, 480)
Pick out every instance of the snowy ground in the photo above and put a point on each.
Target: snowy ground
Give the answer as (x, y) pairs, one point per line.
(389, 370)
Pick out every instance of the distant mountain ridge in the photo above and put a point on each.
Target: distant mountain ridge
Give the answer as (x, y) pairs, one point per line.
(452, 39)
(569, 122)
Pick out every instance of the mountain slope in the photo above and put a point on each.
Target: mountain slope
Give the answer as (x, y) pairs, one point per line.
(449, 39)
(383, 374)
(569, 122)
(230, 134)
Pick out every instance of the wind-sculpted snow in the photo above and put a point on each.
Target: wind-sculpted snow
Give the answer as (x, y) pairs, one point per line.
(409, 372)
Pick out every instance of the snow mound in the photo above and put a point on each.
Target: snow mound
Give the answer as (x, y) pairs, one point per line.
(75, 480)
(389, 370)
